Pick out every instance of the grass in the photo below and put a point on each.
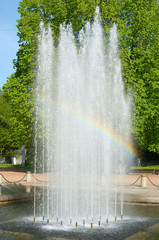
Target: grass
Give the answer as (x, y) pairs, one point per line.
(19, 166)
(28, 168)
(146, 167)
(7, 165)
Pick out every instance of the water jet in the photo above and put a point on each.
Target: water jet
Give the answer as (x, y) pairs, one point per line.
(84, 119)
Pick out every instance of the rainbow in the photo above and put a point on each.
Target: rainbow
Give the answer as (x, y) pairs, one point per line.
(101, 128)
(98, 126)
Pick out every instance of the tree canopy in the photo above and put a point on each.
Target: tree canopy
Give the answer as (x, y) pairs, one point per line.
(138, 32)
(8, 133)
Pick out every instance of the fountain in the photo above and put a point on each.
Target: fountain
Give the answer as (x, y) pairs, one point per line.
(82, 122)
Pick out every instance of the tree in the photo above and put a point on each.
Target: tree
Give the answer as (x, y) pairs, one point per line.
(7, 130)
(138, 31)
(138, 27)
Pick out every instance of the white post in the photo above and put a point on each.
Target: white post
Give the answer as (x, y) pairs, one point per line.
(143, 181)
(28, 189)
(28, 176)
(14, 160)
(0, 179)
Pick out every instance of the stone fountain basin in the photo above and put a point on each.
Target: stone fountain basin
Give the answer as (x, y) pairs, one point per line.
(140, 221)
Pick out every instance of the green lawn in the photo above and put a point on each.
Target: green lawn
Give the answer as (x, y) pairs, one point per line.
(146, 167)
(9, 165)
(19, 166)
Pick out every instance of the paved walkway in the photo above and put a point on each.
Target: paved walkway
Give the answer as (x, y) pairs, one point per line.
(13, 175)
(133, 192)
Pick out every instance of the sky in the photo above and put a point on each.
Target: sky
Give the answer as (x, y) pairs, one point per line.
(8, 37)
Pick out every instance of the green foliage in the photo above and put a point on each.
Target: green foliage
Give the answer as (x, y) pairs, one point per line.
(138, 32)
(6, 126)
(138, 28)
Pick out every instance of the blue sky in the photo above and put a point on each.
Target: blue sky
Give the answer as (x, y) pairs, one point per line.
(8, 37)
